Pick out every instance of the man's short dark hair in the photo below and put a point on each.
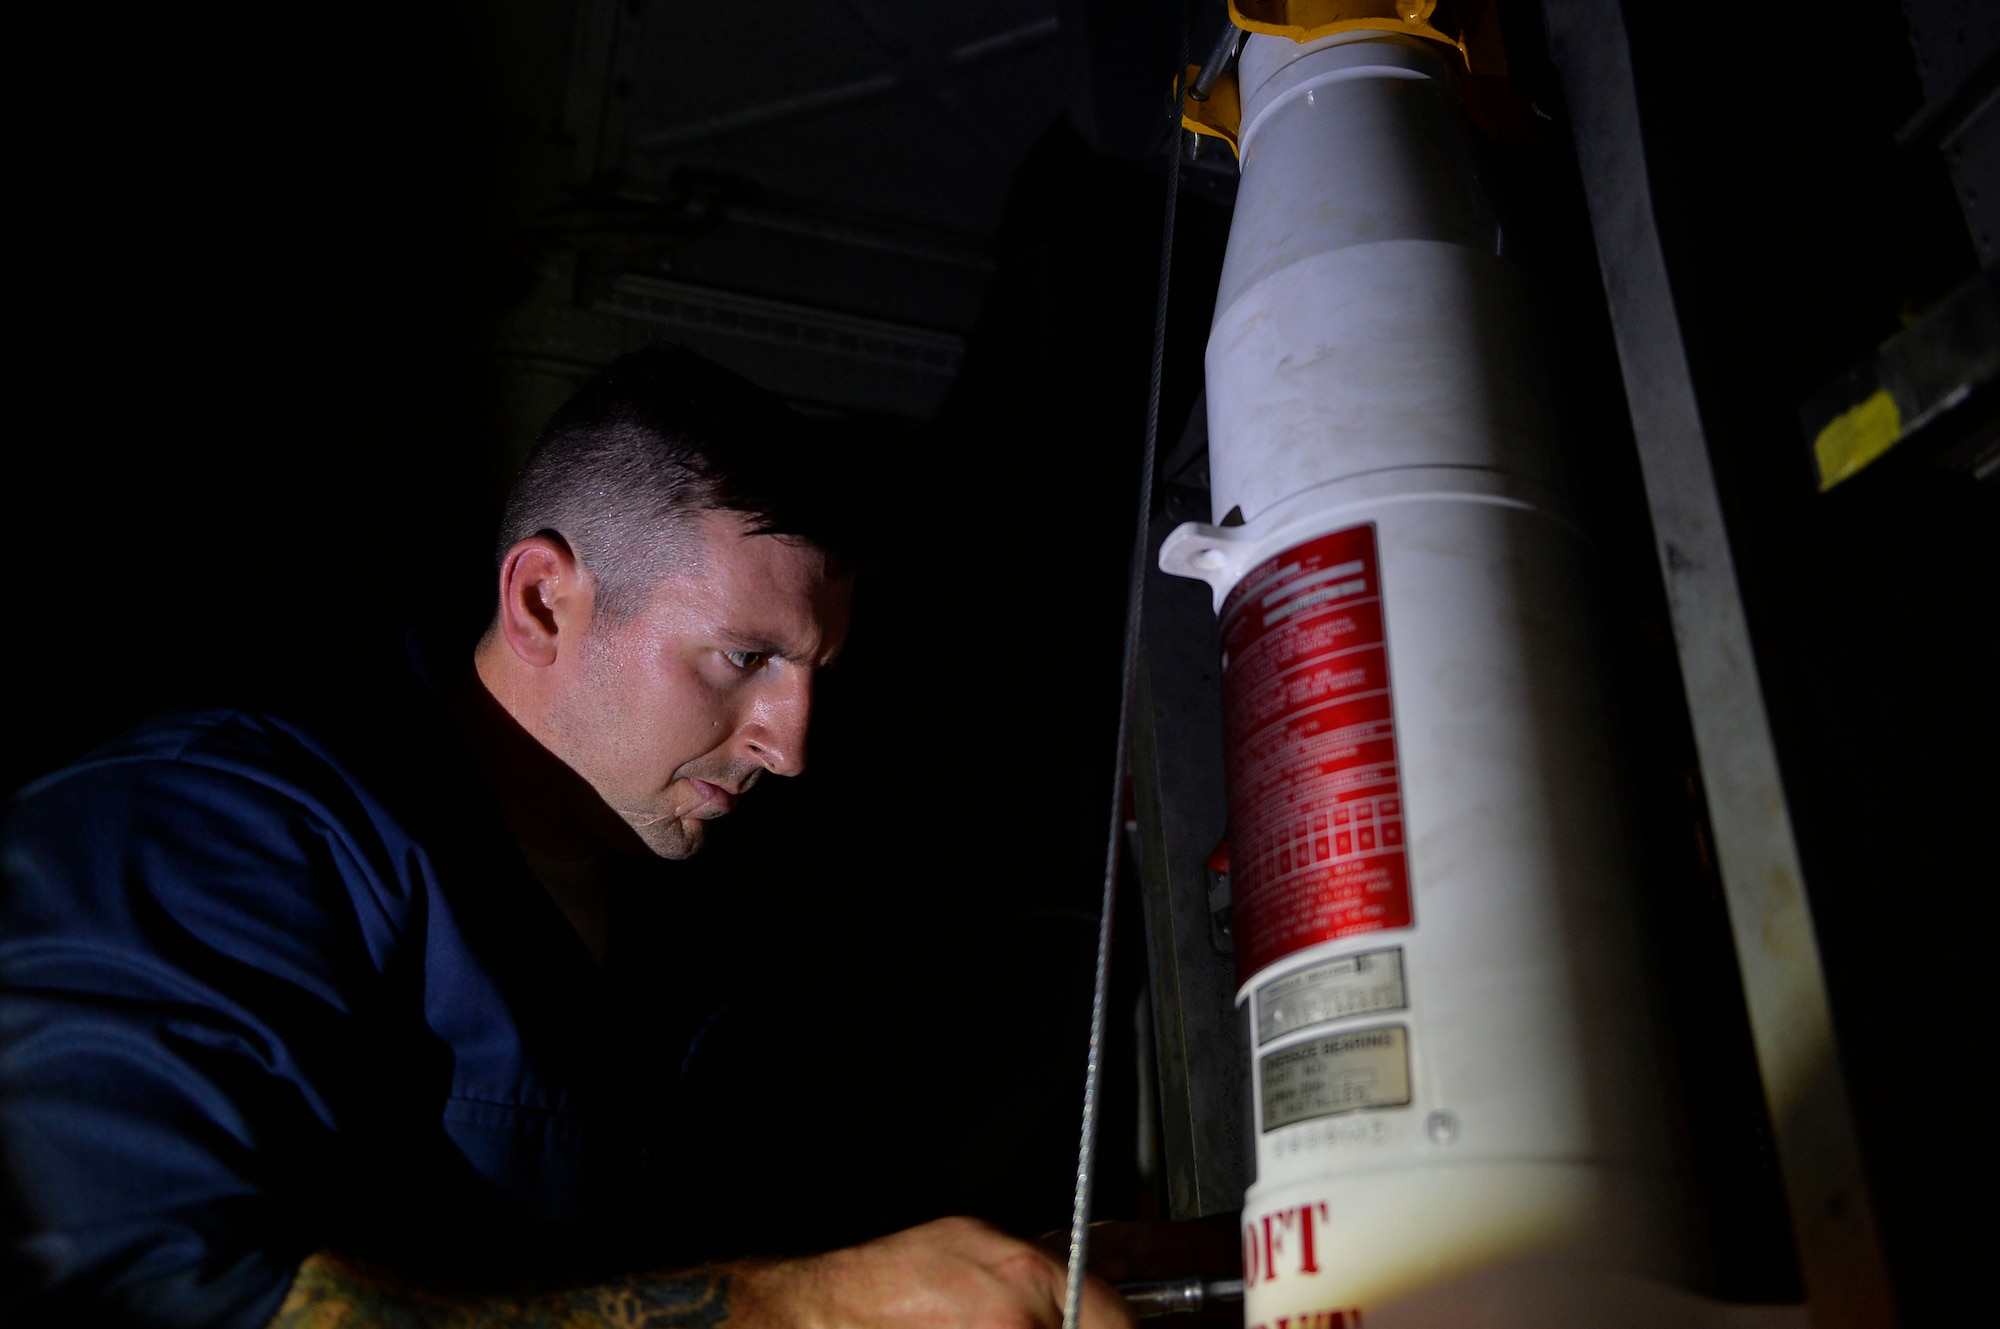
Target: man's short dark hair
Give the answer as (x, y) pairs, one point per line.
(623, 469)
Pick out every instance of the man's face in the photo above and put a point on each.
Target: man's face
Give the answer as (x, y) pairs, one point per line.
(673, 713)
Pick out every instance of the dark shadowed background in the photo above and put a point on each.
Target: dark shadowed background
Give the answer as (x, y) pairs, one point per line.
(297, 287)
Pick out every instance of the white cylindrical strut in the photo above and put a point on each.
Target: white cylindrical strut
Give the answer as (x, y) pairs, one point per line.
(1462, 1112)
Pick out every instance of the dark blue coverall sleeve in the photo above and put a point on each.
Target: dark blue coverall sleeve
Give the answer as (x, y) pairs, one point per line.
(188, 947)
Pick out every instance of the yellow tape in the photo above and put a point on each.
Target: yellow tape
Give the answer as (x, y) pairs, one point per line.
(1856, 437)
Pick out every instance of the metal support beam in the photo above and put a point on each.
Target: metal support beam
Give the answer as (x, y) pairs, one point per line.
(693, 308)
(754, 117)
(1179, 799)
(1840, 1258)
(597, 98)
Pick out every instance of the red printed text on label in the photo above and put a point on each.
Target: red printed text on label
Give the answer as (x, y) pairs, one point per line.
(1316, 823)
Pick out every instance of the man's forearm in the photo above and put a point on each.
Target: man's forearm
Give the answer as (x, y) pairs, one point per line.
(954, 1273)
(331, 1293)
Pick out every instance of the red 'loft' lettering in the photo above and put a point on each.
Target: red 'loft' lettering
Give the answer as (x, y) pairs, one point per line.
(1282, 1242)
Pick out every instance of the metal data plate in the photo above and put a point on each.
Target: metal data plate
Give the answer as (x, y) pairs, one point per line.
(1332, 990)
(1344, 1072)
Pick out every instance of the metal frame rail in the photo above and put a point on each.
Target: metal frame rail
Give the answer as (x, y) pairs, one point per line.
(1839, 1253)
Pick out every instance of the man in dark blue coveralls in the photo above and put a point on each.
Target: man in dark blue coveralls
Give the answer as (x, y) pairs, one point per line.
(292, 1027)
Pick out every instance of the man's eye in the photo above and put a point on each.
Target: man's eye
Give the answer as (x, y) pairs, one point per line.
(745, 659)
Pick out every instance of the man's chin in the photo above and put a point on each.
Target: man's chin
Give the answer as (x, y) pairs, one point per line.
(673, 837)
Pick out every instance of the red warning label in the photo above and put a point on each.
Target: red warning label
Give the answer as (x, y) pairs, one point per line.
(1315, 808)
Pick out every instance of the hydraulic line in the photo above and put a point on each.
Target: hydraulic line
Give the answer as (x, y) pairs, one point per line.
(1179, 1296)
(1219, 60)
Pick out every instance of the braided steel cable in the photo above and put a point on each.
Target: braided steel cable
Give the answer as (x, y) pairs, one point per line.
(1086, 1154)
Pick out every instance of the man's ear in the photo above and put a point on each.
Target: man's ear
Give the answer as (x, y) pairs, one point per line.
(545, 598)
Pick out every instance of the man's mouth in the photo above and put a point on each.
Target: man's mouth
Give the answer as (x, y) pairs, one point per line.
(714, 796)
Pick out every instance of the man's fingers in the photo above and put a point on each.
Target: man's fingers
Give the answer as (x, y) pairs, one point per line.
(1102, 1307)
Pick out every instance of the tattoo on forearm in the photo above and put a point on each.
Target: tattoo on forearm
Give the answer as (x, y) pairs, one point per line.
(332, 1294)
(697, 1300)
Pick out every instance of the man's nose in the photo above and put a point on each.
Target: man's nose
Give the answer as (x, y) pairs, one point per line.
(776, 732)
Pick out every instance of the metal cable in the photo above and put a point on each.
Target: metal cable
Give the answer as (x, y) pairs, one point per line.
(1086, 1153)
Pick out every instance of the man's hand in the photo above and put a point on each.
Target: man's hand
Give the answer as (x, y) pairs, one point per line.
(955, 1273)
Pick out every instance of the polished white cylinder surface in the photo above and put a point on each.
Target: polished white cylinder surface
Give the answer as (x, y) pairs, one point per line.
(1459, 1079)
